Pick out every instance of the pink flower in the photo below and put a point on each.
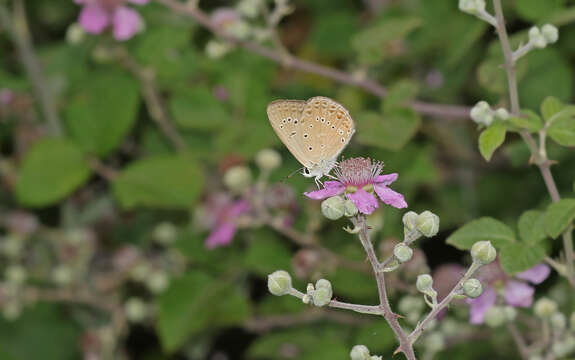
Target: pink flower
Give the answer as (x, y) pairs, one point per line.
(515, 292)
(222, 213)
(358, 178)
(97, 15)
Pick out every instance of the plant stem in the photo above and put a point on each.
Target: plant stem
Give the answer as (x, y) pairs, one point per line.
(363, 309)
(519, 341)
(405, 345)
(433, 313)
(540, 157)
(291, 62)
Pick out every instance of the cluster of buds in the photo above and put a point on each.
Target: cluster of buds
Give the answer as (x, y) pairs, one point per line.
(483, 114)
(415, 225)
(361, 352)
(336, 207)
(543, 36)
(477, 8)
(320, 294)
(499, 315)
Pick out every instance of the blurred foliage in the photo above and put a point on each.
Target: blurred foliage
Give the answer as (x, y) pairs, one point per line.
(419, 49)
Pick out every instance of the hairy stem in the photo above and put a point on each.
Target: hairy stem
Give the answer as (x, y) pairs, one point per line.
(539, 157)
(362, 309)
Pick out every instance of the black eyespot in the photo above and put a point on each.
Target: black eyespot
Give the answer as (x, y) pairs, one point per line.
(281, 126)
(310, 148)
(342, 140)
(305, 135)
(295, 121)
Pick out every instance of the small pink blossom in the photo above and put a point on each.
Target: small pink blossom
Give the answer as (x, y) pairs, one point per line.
(222, 213)
(515, 292)
(97, 15)
(359, 178)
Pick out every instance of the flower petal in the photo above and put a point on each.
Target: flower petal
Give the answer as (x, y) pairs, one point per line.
(479, 306)
(127, 22)
(389, 196)
(93, 19)
(139, 2)
(535, 275)
(238, 208)
(222, 235)
(330, 188)
(366, 203)
(386, 179)
(519, 294)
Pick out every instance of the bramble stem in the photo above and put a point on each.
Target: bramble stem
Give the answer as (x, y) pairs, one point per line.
(539, 157)
(363, 309)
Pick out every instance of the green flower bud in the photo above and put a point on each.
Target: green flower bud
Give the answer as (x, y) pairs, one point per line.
(550, 33)
(563, 348)
(323, 292)
(238, 178)
(510, 313)
(140, 272)
(136, 310)
(472, 288)
(483, 252)
(268, 159)
(375, 357)
(409, 219)
(62, 275)
(502, 113)
(427, 223)
(411, 304)
(481, 113)
(217, 49)
(333, 208)
(545, 307)
(359, 352)
(434, 342)
(306, 299)
(157, 282)
(75, 34)
(472, 6)
(165, 233)
(536, 38)
(495, 316)
(279, 283)
(424, 283)
(77, 236)
(402, 252)
(12, 245)
(349, 208)
(558, 321)
(15, 274)
(11, 310)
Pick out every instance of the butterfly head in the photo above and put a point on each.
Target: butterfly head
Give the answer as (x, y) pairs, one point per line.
(319, 170)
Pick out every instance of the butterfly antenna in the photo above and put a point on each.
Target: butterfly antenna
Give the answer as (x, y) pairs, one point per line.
(292, 174)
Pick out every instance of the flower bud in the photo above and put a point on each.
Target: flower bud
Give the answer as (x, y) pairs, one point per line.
(15, 274)
(136, 310)
(563, 348)
(472, 288)
(165, 233)
(481, 113)
(427, 223)
(12, 245)
(359, 352)
(495, 316)
(536, 38)
(217, 49)
(483, 252)
(402, 252)
(11, 310)
(333, 208)
(62, 275)
(558, 321)
(550, 33)
(279, 283)
(472, 6)
(323, 292)
(545, 307)
(349, 208)
(435, 342)
(409, 219)
(510, 313)
(424, 282)
(157, 282)
(268, 159)
(75, 34)
(411, 304)
(375, 357)
(502, 113)
(306, 299)
(140, 272)
(238, 178)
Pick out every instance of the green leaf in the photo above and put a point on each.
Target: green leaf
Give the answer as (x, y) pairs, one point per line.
(50, 170)
(491, 138)
(389, 131)
(536, 10)
(198, 109)
(162, 181)
(194, 303)
(559, 216)
(519, 256)
(377, 336)
(562, 128)
(267, 253)
(550, 106)
(485, 228)
(101, 114)
(400, 94)
(532, 226)
(529, 121)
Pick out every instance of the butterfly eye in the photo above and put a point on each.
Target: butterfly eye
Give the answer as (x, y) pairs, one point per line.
(306, 171)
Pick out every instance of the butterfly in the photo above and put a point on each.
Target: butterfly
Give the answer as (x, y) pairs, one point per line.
(314, 131)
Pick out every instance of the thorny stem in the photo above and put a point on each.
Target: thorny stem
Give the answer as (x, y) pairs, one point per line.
(540, 157)
(433, 313)
(291, 62)
(405, 345)
(17, 26)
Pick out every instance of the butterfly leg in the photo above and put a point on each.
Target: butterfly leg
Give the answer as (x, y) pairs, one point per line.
(318, 181)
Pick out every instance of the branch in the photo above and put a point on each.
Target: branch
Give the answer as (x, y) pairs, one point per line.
(291, 62)
(540, 157)
(519, 341)
(362, 309)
